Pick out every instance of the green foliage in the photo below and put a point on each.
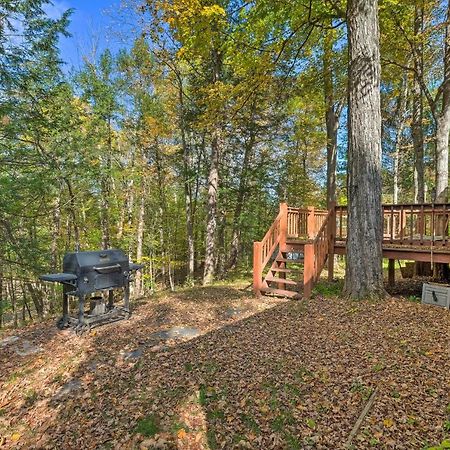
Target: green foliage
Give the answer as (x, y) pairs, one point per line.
(148, 426)
(328, 289)
(445, 444)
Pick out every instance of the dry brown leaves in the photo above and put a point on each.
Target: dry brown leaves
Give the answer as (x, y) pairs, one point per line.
(276, 375)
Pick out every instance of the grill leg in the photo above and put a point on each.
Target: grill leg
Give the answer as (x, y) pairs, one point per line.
(126, 297)
(110, 300)
(62, 323)
(81, 311)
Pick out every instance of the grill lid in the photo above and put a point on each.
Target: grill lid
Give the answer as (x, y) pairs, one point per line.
(76, 260)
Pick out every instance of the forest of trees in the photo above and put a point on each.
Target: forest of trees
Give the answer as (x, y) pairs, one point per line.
(179, 148)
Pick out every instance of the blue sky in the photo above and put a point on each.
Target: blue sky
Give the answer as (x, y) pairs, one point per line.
(91, 27)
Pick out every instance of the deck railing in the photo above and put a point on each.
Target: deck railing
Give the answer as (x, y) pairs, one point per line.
(407, 224)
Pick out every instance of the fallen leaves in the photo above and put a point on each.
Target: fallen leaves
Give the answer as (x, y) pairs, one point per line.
(266, 377)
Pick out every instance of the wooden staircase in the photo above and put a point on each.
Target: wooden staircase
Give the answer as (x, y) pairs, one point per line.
(289, 259)
(282, 278)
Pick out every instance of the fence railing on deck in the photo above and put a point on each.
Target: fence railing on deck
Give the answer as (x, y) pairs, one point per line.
(407, 224)
(297, 222)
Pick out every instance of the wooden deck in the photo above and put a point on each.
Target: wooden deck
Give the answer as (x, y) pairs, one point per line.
(410, 232)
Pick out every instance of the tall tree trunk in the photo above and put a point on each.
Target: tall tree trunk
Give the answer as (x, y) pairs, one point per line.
(56, 226)
(443, 123)
(417, 115)
(37, 299)
(104, 213)
(12, 296)
(73, 214)
(400, 124)
(213, 184)
(187, 163)
(140, 242)
(241, 197)
(331, 116)
(165, 254)
(364, 275)
(211, 225)
(442, 120)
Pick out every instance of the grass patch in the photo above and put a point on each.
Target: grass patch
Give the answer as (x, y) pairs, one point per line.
(250, 423)
(361, 388)
(19, 374)
(177, 426)
(292, 442)
(30, 397)
(212, 440)
(148, 426)
(328, 289)
(216, 414)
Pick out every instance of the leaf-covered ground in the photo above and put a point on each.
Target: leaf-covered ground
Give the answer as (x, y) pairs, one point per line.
(263, 374)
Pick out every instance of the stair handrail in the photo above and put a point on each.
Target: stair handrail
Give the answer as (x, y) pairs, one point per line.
(315, 255)
(264, 249)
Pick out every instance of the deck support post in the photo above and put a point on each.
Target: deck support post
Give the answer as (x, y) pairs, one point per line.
(331, 239)
(257, 268)
(308, 270)
(391, 272)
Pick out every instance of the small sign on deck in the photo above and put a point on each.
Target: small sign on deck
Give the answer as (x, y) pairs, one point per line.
(436, 294)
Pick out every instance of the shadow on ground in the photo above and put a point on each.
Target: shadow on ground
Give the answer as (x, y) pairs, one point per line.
(296, 375)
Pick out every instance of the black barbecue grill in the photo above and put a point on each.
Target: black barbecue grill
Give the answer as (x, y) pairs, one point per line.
(86, 273)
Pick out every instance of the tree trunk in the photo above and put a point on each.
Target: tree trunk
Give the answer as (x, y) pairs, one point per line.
(12, 296)
(56, 225)
(400, 113)
(76, 230)
(417, 115)
(140, 242)
(187, 163)
(242, 194)
(364, 275)
(104, 213)
(165, 254)
(211, 225)
(443, 124)
(331, 117)
(213, 184)
(37, 300)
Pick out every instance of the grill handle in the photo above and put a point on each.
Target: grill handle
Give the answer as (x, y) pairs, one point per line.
(108, 269)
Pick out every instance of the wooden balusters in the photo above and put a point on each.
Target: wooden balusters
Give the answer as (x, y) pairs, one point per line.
(311, 227)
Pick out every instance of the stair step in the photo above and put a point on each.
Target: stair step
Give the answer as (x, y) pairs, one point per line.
(296, 261)
(281, 293)
(282, 280)
(281, 269)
